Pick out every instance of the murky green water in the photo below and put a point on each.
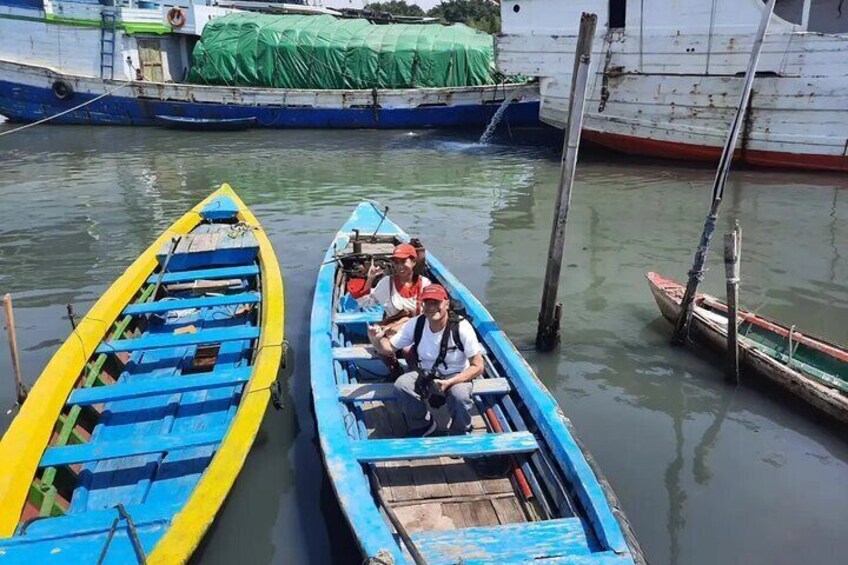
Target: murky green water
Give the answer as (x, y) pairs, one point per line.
(707, 473)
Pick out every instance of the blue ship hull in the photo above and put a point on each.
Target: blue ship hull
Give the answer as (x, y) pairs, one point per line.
(25, 103)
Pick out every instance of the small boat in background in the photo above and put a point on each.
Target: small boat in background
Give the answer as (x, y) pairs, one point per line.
(138, 426)
(206, 124)
(441, 500)
(809, 367)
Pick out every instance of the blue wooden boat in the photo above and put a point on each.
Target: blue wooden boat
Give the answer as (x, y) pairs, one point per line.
(206, 124)
(136, 429)
(518, 489)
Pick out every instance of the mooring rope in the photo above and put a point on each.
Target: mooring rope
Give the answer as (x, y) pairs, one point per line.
(69, 110)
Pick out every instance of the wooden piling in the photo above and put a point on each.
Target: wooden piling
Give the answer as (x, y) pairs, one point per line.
(20, 389)
(547, 335)
(732, 256)
(696, 273)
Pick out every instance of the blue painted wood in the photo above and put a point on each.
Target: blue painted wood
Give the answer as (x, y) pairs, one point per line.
(386, 391)
(159, 386)
(86, 523)
(221, 208)
(94, 451)
(336, 434)
(370, 317)
(178, 340)
(20, 101)
(497, 544)
(184, 304)
(207, 274)
(471, 445)
(352, 487)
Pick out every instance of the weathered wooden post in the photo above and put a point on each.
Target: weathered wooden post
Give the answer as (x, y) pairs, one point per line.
(547, 335)
(20, 389)
(696, 273)
(732, 256)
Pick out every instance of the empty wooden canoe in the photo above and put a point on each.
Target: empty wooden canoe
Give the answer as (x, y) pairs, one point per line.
(809, 367)
(138, 426)
(435, 499)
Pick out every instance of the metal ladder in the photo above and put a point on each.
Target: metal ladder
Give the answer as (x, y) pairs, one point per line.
(107, 42)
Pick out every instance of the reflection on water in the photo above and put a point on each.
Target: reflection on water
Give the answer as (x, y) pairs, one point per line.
(707, 473)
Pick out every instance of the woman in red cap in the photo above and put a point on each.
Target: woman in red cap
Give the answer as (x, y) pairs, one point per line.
(397, 294)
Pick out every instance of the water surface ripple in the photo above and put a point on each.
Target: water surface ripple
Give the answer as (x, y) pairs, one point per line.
(707, 473)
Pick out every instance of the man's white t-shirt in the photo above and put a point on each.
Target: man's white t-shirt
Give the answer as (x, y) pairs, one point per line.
(386, 295)
(428, 349)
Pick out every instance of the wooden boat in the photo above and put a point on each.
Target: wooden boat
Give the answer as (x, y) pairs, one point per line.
(206, 124)
(135, 431)
(809, 367)
(422, 499)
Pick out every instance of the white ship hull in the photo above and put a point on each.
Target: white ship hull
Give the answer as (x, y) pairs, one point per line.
(668, 83)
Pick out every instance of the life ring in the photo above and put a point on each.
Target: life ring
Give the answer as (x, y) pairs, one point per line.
(176, 17)
(62, 90)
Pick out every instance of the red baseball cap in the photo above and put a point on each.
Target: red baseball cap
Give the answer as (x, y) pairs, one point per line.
(404, 251)
(434, 292)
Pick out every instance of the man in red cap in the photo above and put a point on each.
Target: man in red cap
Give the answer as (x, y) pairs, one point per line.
(452, 365)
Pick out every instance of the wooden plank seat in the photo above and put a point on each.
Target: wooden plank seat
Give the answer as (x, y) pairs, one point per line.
(347, 318)
(238, 272)
(142, 387)
(523, 542)
(130, 447)
(158, 341)
(93, 522)
(385, 391)
(184, 304)
(471, 445)
(355, 353)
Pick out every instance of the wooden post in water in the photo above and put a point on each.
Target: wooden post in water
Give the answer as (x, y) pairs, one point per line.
(732, 256)
(547, 335)
(696, 273)
(20, 389)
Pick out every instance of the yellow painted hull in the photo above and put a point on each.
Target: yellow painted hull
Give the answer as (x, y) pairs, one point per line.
(23, 445)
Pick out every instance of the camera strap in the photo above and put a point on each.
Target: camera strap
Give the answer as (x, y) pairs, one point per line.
(452, 329)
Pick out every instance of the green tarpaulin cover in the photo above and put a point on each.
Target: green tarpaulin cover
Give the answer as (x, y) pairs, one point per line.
(323, 52)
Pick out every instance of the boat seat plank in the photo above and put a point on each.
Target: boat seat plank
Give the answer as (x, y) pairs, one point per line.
(385, 391)
(158, 386)
(96, 521)
(524, 541)
(347, 318)
(472, 445)
(158, 341)
(355, 353)
(241, 271)
(96, 451)
(203, 302)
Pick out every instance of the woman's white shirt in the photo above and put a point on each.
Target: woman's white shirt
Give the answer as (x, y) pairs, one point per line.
(386, 295)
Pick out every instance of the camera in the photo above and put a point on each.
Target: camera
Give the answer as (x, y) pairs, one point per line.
(427, 390)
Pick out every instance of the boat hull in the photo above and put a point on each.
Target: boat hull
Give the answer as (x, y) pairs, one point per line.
(713, 333)
(27, 95)
(343, 443)
(151, 475)
(667, 83)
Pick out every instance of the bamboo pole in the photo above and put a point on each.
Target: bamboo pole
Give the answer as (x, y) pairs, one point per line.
(20, 389)
(696, 274)
(547, 335)
(732, 256)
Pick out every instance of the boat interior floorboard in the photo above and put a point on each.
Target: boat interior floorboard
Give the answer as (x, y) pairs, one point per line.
(441, 493)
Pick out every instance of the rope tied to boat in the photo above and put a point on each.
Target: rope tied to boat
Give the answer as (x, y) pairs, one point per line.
(240, 229)
(68, 111)
(133, 535)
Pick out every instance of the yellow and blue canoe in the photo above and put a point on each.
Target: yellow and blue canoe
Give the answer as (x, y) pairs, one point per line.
(134, 433)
